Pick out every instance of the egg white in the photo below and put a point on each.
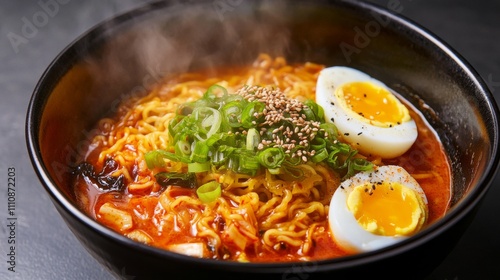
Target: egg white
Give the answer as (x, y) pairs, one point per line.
(346, 230)
(387, 142)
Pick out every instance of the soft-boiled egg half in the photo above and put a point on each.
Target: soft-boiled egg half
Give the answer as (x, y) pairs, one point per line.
(375, 209)
(367, 114)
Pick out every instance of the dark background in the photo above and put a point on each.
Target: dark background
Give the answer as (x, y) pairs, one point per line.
(46, 249)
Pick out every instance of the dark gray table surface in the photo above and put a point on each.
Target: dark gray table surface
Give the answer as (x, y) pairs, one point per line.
(46, 249)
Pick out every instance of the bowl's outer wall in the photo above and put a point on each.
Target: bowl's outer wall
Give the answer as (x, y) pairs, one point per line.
(125, 56)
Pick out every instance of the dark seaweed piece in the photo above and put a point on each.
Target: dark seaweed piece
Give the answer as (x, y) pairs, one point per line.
(104, 180)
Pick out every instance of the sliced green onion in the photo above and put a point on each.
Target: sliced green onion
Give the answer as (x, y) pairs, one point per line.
(173, 126)
(231, 140)
(182, 148)
(197, 167)
(345, 148)
(222, 155)
(232, 163)
(200, 152)
(186, 180)
(271, 157)
(184, 110)
(248, 116)
(294, 160)
(234, 98)
(306, 110)
(318, 143)
(361, 164)
(334, 161)
(320, 156)
(208, 119)
(209, 192)
(212, 140)
(317, 111)
(341, 157)
(232, 113)
(275, 171)
(330, 129)
(356, 165)
(210, 91)
(209, 98)
(156, 158)
(253, 139)
(248, 164)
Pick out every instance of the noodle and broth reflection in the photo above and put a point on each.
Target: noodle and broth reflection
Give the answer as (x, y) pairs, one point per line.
(261, 214)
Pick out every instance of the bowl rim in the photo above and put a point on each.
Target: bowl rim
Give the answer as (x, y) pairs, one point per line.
(40, 97)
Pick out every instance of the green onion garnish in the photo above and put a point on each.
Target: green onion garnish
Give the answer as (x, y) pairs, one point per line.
(253, 139)
(197, 167)
(156, 158)
(254, 130)
(208, 121)
(271, 158)
(209, 192)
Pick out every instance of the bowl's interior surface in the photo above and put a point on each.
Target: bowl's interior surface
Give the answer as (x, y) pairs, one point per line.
(124, 57)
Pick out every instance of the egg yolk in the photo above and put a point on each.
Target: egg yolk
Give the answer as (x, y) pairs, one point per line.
(388, 209)
(373, 103)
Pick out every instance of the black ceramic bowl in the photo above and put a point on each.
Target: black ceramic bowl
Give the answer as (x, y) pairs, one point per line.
(122, 57)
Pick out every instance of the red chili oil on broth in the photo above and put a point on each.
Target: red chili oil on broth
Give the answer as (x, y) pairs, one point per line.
(163, 216)
(425, 158)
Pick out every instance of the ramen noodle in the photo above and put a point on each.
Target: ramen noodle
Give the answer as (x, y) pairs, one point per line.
(258, 216)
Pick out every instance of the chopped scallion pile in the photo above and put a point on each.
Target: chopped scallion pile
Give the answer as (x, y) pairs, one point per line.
(255, 129)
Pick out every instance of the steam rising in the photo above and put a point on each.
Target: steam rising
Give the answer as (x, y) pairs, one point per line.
(135, 55)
